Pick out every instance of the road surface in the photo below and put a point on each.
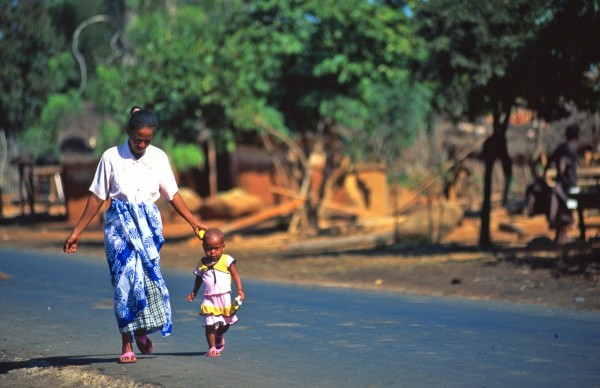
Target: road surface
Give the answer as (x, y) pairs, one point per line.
(57, 311)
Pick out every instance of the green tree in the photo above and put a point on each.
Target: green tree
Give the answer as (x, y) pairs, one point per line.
(41, 137)
(165, 69)
(30, 52)
(487, 56)
(563, 62)
(294, 64)
(335, 69)
(93, 31)
(353, 75)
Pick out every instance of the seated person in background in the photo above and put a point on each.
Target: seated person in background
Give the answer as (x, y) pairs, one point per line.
(564, 158)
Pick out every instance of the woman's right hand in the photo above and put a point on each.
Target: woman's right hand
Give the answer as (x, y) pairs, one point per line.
(93, 205)
(199, 226)
(71, 242)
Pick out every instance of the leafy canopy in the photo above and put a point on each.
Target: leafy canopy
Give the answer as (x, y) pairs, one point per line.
(30, 58)
(486, 56)
(290, 66)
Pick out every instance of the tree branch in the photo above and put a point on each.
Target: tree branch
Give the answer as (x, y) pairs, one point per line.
(75, 46)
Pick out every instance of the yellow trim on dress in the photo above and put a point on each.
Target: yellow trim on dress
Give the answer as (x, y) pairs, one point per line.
(217, 311)
(220, 265)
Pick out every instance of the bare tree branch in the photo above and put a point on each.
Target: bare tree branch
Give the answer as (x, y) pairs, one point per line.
(75, 45)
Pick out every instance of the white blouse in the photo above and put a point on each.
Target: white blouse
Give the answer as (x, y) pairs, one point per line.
(121, 176)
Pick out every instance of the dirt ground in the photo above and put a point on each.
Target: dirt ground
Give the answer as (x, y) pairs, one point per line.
(523, 266)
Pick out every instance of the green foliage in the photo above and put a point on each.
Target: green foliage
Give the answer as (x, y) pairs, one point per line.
(28, 39)
(485, 58)
(108, 94)
(42, 137)
(562, 63)
(165, 72)
(474, 47)
(37, 141)
(283, 65)
(353, 74)
(57, 108)
(183, 156)
(288, 66)
(95, 40)
(62, 71)
(109, 135)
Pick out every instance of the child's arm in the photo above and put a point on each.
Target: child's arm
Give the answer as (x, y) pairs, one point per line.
(237, 280)
(197, 284)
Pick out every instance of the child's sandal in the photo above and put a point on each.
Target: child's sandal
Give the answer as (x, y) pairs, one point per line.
(219, 343)
(213, 352)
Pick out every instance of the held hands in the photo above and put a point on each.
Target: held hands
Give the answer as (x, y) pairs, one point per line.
(199, 230)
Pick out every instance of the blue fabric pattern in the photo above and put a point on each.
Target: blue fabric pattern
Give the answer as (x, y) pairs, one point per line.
(133, 238)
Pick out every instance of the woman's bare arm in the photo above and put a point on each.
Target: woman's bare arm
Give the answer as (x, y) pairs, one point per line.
(181, 208)
(93, 205)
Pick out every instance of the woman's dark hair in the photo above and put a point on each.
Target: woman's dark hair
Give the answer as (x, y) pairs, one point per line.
(141, 118)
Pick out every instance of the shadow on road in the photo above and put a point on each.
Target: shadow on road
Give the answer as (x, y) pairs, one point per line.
(45, 362)
(81, 360)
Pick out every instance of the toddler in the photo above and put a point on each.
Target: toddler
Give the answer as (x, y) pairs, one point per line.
(215, 271)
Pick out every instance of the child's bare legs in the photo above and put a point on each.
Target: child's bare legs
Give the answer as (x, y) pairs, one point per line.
(221, 330)
(219, 341)
(214, 336)
(209, 330)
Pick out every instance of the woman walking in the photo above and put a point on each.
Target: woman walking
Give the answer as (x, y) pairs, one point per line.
(132, 176)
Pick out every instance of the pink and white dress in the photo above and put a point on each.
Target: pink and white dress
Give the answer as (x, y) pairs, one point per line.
(216, 304)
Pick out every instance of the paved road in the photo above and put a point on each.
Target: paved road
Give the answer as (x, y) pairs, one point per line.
(57, 310)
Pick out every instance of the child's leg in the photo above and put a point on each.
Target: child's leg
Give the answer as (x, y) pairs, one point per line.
(210, 338)
(209, 330)
(219, 340)
(221, 330)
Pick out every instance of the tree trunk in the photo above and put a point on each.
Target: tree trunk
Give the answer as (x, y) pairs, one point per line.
(486, 207)
(495, 148)
(212, 167)
(75, 45)
(506, 168)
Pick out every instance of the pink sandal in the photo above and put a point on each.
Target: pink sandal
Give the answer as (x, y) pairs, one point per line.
(144, 344)
(127, 358)
(213, 352)
(219, 343)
